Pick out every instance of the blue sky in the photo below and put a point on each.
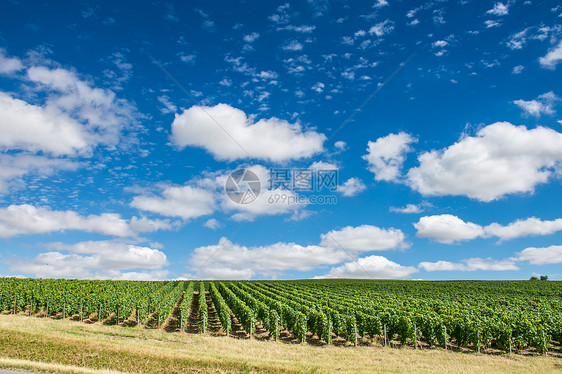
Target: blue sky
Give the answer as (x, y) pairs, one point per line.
(120, 124)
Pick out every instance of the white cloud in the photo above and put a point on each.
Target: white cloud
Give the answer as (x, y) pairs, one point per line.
(95, 260)
(439, 44)
(499, 9)
(305, 29)
(178, 201)
(268, 202)
(541, 105)
(364, 238)
(322, 165)
(188, 59)
(205, 195)
(517, 69)
(491, 23)
(340, 145)
(9, 65)
(447, 228)
(267, 75)
(14, 167)
(318, 87)
(100, 112)
(387, 154)
(33, 128)
(27, 219)
(441, 266)
(541, 256)
(552, 58)
(518, 40)
(144, 224)
(471, 264)
(409, 208)
(352, 187)
(376, 267)
(226, 82)
(233, 261)
(382, 28)
(116, 255)
(68, 117)
(293, 45)
(500, 159)
(272, 139)
(380, 4)
(169, 107)
(524, 227)
(212, 224)
(250, 38)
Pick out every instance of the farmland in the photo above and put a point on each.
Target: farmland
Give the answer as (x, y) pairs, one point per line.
(481, 316)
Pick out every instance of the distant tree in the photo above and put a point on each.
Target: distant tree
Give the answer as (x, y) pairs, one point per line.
(544, 277)
(533, 278)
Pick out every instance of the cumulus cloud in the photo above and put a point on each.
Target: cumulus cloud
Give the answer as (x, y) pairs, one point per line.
(541, 105)
(100, 112)
(340, 145)
(227, 260)
(229, 134)
(447, 228)
(212, 224)
(500, 159)
(203, 196)
(269, 201)
(552, 58)
(541, 256)
(27, 219)
(95, 260)
(9, 65)
(387, 154)
(524, 227)
(471, 264)
(364, 238)
(67, 117)
(352, 187)
(178, 201)
(371, 267)
(33, 128)
(233, 261)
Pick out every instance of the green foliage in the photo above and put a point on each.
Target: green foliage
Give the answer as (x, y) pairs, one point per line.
(499, 314)
(203, 309)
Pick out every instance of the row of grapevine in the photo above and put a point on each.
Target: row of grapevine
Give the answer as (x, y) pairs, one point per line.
(244, 314)
(222, 308)
(185, 304)
(203, 310)
(502, 315)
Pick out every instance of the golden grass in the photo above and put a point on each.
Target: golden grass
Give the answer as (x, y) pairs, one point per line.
(73, 347)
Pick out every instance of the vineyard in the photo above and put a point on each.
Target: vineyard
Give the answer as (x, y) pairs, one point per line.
(484, 316)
